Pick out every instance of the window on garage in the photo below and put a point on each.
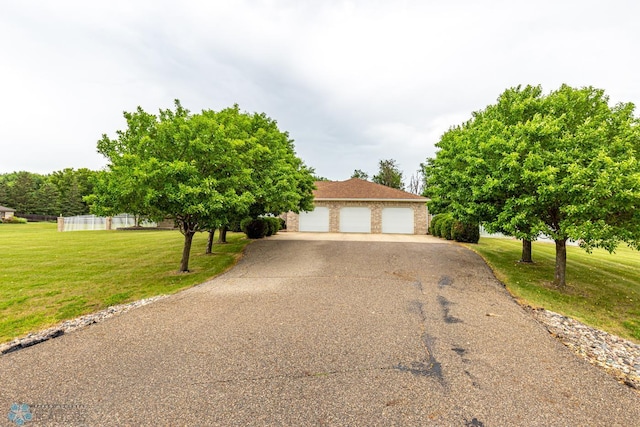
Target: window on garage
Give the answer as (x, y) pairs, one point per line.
(397, 220)
(355, 220)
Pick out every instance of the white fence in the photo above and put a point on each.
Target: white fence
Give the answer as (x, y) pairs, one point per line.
(92, 222)
(541, 237)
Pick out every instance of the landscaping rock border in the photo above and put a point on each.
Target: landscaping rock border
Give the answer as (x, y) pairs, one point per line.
(617, 356)
(73, 324)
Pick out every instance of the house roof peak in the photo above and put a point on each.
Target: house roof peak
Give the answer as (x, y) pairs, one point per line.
(356, 188)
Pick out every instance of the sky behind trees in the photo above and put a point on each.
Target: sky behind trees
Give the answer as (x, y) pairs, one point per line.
(353, 82)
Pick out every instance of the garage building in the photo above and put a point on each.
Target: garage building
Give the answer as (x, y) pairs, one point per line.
(358, 206)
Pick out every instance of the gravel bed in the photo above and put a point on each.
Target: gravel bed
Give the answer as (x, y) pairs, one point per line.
(73, 324)
(617, 356)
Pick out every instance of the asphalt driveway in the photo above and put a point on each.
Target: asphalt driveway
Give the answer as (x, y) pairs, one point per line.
(325, 330)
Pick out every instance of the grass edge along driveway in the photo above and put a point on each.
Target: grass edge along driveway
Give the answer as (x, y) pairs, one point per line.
(603, 290)
(47, 277)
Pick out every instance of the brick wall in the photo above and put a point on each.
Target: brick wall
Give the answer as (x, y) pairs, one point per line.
(420, 214)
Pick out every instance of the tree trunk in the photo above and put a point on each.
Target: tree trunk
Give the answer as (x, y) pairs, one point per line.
(186, 250)
(561, 263)
(526, 251)
(210, 240)
(222, 235)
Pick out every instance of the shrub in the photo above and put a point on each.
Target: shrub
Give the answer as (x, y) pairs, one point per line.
(432, 225)
(14, 220)
(437, 226)
(283, 223)
(244, 223)
(465, 232)
(277, 225)
(268, 226)
(442, 227)
(257, 228)
(254, 228)
(445, 227)
(272, 223)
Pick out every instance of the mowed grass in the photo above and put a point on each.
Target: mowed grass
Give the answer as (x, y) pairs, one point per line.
(603, 289)
(47, 276)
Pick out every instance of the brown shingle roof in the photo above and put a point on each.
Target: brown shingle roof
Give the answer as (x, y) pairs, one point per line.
(355, 188)
(3, 209)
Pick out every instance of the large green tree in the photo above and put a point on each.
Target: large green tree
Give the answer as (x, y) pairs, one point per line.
(118, 190)
(564, 165)
(475, 179)
(48, 199)
(201, 170)
(72, 186)
(278, 180)
(22, 192)
(389, 174)
(585, 167)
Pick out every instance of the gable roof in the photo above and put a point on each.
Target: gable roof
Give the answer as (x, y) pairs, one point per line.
(3, 209)
(359, 189)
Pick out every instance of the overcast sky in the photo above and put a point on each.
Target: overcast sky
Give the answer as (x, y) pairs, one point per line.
(353, 82)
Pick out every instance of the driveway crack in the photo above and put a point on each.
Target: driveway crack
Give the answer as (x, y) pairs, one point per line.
(312, 374)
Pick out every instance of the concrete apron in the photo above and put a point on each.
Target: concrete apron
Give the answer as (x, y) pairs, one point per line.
(357, 237)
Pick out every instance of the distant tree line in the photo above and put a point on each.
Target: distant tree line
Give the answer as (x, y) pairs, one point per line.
(58, 193)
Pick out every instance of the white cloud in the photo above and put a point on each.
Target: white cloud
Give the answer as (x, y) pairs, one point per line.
(352, 81)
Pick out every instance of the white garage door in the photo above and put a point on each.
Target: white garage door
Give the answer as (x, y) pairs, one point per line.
(355, 220)
(397, 220)
(316, 220)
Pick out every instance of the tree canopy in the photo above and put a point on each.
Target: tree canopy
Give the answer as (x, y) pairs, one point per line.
(566, 165)
(389, 174)
(360, 174)
(202, 170)
(58, 193)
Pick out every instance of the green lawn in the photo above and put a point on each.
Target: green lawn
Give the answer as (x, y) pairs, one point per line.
(603, 290)
(47, 276)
